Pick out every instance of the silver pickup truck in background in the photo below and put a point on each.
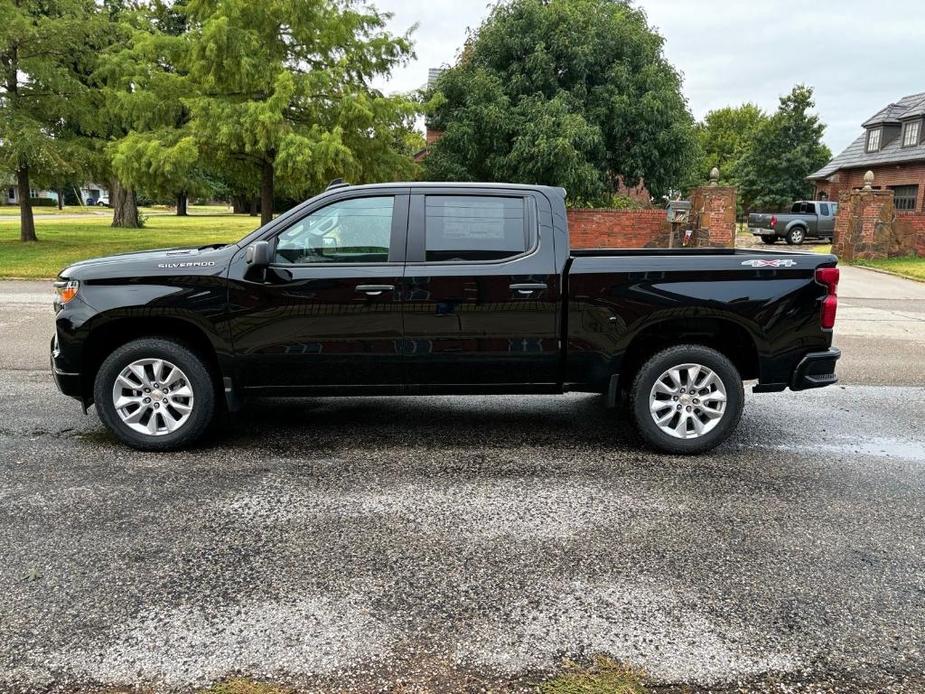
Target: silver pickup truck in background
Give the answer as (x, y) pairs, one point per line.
(806, 219)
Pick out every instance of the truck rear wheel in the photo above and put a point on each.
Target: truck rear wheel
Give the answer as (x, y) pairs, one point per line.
(686, 399)
(155, 394)
(797, 236)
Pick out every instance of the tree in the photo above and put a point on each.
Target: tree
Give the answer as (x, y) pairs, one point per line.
(785, 149)
(283, 88)
(46, 48)
(574, 93)
(724, 136)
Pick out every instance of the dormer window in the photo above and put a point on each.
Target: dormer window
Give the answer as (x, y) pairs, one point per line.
(912, 133)
(873, 140)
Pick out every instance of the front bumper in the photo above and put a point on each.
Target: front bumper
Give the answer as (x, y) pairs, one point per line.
(68, 382)
(816, 370)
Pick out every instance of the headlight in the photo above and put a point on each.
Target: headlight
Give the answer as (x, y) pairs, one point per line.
(65, 291)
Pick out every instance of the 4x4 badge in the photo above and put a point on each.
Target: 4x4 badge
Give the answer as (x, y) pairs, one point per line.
(776, 262)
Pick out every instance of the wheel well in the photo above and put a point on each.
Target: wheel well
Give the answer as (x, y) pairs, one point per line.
(726, 337)
(106, 338)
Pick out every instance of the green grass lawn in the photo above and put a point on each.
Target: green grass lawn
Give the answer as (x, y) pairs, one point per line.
(908, 266)
(64, 241)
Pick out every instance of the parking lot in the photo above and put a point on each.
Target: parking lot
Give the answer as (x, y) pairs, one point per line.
(458, 543)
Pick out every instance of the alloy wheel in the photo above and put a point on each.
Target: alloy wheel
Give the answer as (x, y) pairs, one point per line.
(687, 401)
(153, 397)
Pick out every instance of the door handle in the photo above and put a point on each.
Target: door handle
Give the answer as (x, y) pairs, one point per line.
(528, 288)
(375, 289)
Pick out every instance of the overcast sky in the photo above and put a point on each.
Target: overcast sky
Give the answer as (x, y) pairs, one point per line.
(859, 56)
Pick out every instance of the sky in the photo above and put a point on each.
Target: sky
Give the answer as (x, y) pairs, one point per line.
(859, 56)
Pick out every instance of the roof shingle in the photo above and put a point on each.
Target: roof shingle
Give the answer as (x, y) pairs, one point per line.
(855, 155)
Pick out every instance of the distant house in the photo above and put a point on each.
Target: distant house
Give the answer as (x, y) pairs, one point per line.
(90, 193)
(893, 147)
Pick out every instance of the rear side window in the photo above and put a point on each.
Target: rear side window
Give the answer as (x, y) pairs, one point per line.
(810, 208)
(474, 227)
(797, 208)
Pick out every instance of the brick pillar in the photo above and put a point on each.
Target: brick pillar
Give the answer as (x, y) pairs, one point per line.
(866, 227)
(713, 214)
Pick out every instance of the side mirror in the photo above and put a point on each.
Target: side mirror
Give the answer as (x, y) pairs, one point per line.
(258, 254)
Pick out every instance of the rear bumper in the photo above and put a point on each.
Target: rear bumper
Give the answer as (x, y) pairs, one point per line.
(758, 231)
(816, 370)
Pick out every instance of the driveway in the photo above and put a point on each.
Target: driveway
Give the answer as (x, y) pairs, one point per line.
(459, 544)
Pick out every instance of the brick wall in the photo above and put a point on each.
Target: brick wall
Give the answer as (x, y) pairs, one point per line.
(618, 228)
(884, 177)
(713, 219)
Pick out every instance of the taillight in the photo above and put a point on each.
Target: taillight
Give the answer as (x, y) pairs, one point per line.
(773, 221)
(828, 277)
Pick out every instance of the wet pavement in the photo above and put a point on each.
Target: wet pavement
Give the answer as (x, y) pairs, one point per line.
(371, 543)
(444, 544)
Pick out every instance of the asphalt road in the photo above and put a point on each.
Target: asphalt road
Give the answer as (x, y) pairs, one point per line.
(461, 543)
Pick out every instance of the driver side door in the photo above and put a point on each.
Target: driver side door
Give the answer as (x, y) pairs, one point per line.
(327, 314)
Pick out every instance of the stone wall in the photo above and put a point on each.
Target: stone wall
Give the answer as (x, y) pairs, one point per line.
(912, 226)
(866, 227)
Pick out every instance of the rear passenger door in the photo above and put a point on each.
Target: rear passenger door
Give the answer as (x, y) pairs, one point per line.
(480, 295)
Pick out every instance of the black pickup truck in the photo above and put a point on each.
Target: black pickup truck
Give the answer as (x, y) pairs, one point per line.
(426, 288)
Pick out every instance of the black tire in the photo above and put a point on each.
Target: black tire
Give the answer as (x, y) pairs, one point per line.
(797, 235)
(198, 377)
(655, 367)
(769, 239)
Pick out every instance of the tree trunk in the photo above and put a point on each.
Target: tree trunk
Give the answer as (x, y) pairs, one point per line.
(239, 204)
(26, 220)
(266, 193)
(255, 203)
(60, 199)
(182, 200)
(124, 206)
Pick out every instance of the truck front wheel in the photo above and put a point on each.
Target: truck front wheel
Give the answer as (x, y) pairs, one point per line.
(686, 399)
(155, 394)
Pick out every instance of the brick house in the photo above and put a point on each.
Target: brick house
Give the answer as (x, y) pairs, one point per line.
(893, 147)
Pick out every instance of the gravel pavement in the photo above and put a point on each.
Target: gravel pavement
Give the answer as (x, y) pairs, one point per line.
(373, 543)
(460, 544)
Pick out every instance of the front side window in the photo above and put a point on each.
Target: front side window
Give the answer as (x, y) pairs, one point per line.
(474, 227)
(904, 197)
(349, 231)
(873, 140)
(911, 133)
(823, 209)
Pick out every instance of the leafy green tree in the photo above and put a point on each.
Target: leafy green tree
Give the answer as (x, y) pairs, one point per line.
(47, 47)
(574, 93)
(785, 149)
(283, 88)
(724, 136)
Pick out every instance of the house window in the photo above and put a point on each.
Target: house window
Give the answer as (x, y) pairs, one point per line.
(904, 197)
(911, 133)
(873, 140)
